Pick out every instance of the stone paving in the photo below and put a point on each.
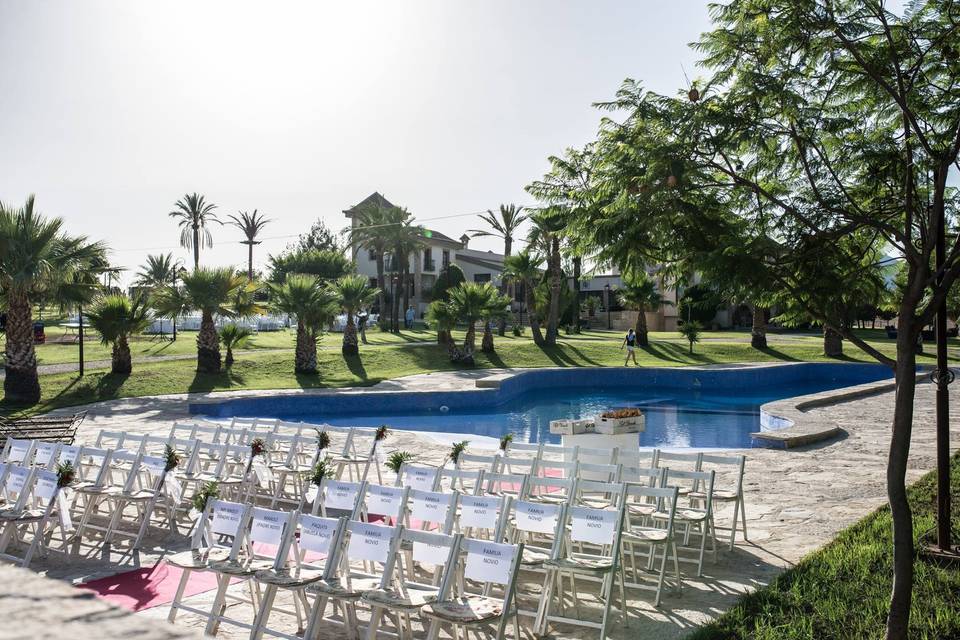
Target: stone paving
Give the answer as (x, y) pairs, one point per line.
(796, 501)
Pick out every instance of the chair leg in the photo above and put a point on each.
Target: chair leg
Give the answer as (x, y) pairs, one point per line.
(375, 617)
(676, 566)
(608, 587)
(663, 571)
(703, 547)
(543, 610)
(219, 605)
(263, 613)
(743, 517)
(184, 578)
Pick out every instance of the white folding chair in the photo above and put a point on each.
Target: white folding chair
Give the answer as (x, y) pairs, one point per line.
(659, 534)
(36, 491)
(418, 477)
(732, 493)
(18, 451)
(589, 549)
(489, 565)
(695, 520)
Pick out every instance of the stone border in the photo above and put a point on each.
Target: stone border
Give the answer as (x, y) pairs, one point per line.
(786, 423)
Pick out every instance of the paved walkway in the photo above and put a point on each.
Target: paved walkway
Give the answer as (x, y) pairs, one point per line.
(796, 500)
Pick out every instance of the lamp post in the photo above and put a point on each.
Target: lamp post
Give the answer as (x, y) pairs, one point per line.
(177, 273)
(606, 302)
(393, 305)
(942, 376)
(80, 334)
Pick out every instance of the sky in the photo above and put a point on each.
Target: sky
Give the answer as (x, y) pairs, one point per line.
(113, 110)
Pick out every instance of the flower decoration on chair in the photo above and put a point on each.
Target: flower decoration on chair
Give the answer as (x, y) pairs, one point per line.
(381, 433)
(258, 447)
(208, 491)
(397, 460)
(323, 440)
(320, 471)
(65, 474)
(171, 459)
(505, 441)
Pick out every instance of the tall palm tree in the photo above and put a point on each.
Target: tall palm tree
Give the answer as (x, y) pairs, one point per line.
(525, 268)
(641, 295)
(352, 293)
(36, 257)
(211, 291)
(504, 226)
(471, 302)
(116, 318)
(548, 225)
(158, 271)
(405, 239)
(251, 224)
(371, 231)
(195, 214)
(305, 297)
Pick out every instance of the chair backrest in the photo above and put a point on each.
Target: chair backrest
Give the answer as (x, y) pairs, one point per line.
(514, 464)
(536, 517)
(17, 485)
(486, 463)
(599, 472)
(428, 508)
(552, 488)
(368, 542)
(525, 449)
(557, 452)
(664, 499)
(93, 465)
(492, 563)
(45, 454)
(677, 460)
(18, 451)
(588, 455)
(558, 469)
(466, 481)
(606, 493)
(418, 477)
(650, 476)
(183, 430)
(434, 554)
(694, 480)
(68, 453)
(222, 525)
(600, 527)
(388, 502)
(500, 483)
(271, 533)
(738, 463)
(109, 439)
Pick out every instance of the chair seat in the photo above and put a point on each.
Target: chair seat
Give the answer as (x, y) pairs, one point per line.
(466, 610)
(343, 589)
(407, 597)
(27, 515)
(534, 556)
(645, 534)
(300, 578)
(641, 509)
(682, 515)
(198, 558)
(96, 490)
(582, 563)
(240, 567)
(726, 495)
(136, 496)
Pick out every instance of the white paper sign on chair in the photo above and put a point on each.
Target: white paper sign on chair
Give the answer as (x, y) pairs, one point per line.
(340, 495)
(370, 542)
(429, 508)
(226, 517)
(267, 526)
(595, 526)
(420, 478)
(384, 501)
(479, 511)
(18, 451)
(316, 533)
(538, 518)
(488, 561)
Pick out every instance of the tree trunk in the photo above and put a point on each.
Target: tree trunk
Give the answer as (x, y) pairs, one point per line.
(228, 359)
(121, 361)
(534, 320)
(906, 381)
(470, 341)
(196, 247)
(758, 333)
(21, 385)
(486, 345)
(553, 314)
(383, 290)
(577, 265)
(643, 338)
(208, 346)
(250, 261)
(443, 337)
(832, 343)
(350, 346)
(406, 287)
(305, 357)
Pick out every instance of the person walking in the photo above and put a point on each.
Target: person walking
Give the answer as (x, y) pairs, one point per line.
(408, 318)
(362, 324)
(630, 342)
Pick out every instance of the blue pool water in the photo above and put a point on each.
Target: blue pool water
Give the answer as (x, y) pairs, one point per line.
(682, 407)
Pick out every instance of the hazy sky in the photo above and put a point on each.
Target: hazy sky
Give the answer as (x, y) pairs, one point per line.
(113, 110)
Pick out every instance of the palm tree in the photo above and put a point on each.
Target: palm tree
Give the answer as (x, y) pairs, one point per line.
(36, 256)
(158, 271)
(404, 240)
(525, 269)
(371, 231)
(211, 291)
(470, 302)
(498, 308)
(545, 234)
(503, 226)
(195, 213)
(440, 313)
(233, 337)
(251, 224)
(352, 294)
(641, 295)
(116, 318)
(313, 305)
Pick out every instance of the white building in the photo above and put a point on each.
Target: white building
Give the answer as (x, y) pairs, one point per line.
(438, 251)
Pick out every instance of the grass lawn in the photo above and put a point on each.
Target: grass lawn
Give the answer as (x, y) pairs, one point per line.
(394, 357)
(841, 591)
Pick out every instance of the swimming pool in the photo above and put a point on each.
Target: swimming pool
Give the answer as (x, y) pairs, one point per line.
(697, 408)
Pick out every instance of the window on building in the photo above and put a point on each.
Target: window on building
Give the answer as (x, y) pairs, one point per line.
(428, 264)
(372, 254)
(481, 277)
(446, 258)
(373, 282)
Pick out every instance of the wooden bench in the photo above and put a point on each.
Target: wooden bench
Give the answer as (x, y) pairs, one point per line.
(47, 428)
